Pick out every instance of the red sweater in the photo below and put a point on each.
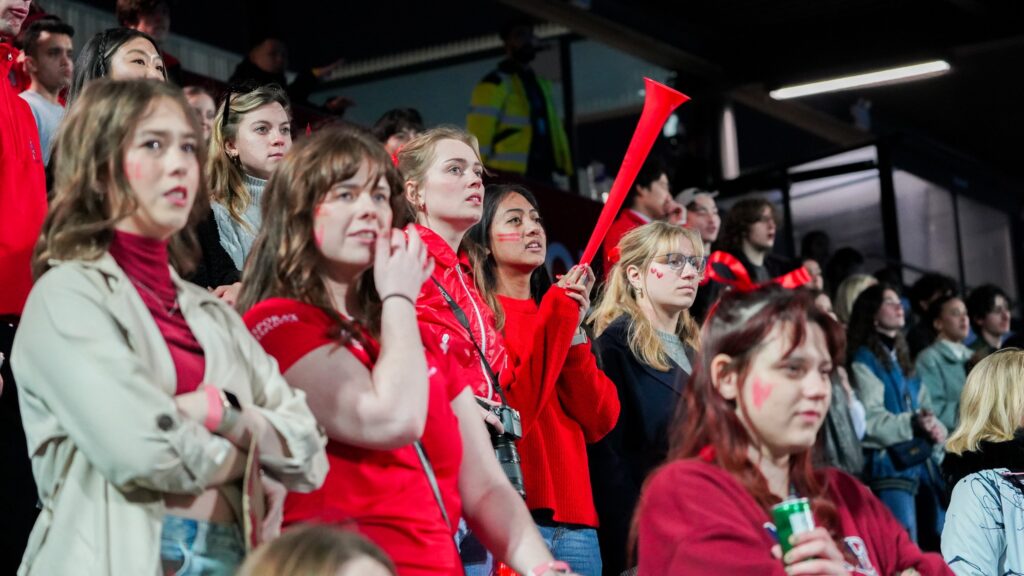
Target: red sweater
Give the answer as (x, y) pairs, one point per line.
(22, 190)
(695, 518)
(565, 401)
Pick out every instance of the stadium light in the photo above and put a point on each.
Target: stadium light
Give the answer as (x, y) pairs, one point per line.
(877, 78)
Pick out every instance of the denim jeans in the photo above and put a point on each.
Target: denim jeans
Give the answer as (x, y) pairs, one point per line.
(575, 545)
(904, 507)
(476, 560)
(195, 548)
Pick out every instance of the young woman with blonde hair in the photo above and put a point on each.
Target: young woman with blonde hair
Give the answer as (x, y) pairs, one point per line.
(140, 427)
(646, 341)
(985, 466)
(251, 134)
(318, 550)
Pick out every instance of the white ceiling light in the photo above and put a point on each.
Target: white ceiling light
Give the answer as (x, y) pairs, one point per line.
(881, 77)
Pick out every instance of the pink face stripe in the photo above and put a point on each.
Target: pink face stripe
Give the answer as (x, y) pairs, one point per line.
(509, 237)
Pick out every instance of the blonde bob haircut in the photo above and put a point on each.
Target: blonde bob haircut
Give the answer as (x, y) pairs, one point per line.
(223, 173)
(992, 402)
(312, 550)
(847, 292)
(414, 159)
(91, 189)
(638, 248)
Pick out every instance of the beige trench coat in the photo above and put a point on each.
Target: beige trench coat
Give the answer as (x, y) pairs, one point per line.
(97, 383)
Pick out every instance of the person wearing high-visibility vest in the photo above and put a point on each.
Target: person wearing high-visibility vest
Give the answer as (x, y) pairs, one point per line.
(514, 118)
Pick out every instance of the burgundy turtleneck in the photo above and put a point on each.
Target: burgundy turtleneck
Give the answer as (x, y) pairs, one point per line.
(146, 263)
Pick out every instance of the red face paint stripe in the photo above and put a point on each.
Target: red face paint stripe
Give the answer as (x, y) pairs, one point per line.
(509, 237)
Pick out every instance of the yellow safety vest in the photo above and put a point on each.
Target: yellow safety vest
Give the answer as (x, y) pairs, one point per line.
(499, 117)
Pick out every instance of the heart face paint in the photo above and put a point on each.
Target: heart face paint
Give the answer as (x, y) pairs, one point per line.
(761, 391)
(657, 272)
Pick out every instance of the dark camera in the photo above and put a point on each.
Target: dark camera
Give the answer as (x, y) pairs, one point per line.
(505, 444)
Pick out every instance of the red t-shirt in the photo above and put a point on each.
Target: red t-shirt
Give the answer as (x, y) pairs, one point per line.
(384, 493)
(695, 518)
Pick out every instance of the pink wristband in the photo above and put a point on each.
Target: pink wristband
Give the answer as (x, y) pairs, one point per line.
(552, 565)
(214, 408)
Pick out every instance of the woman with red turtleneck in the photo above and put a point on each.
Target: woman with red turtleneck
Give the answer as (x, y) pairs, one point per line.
(158, 394)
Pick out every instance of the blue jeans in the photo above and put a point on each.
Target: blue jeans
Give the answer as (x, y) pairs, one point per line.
(476, 560)
(904, 507)
(195, 548)
(576, 545)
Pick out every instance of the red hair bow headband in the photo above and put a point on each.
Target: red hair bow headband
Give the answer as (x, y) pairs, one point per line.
(741, 278)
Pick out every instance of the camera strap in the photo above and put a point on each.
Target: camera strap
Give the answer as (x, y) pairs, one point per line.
(460, 315)
(432, 479)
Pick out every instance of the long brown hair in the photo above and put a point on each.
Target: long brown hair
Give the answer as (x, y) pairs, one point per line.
(91, 190)
(739, 326)
(223, 173)
(639, 247)
(285, 261)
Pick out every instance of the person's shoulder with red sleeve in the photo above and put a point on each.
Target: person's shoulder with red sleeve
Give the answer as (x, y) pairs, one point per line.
(288, 329)
(22, 190)
(875, 542)
(695, 518)
(626, 221)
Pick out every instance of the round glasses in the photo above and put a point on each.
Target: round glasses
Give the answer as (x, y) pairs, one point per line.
(677, 262)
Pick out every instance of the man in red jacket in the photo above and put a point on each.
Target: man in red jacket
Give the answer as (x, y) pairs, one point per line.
(22, 209)
(649, 199)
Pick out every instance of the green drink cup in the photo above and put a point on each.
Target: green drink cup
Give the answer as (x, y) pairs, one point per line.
(792, 516)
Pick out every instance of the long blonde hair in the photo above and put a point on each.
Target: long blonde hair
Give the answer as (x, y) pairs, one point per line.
(224, 174)
(91, 189)
(415, 158)
(638, 248)
(992, 402)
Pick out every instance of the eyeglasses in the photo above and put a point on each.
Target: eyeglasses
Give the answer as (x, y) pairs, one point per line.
(676, 262)
(892, 303)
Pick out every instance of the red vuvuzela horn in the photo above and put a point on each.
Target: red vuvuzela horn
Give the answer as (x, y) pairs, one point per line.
(659, 102)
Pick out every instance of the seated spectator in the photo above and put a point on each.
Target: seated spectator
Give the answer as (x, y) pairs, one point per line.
(140, 428)
(901, 425)
(251, 135)
(646, 340)
(847, 293)
(943, 365)
(845, 262)
(202, 103)
(49, 61)
(648, 200)
(989, 309)
(267, 63)
(702, 216)
(119, 54)
(744, 443)
(396, 127)
(566, 402)
(846, 421)
(984, 463)
(927, 289)
(152, 17)
(347, 334)
(318, 550)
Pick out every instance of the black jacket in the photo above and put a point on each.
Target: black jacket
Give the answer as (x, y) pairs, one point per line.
(622, 460)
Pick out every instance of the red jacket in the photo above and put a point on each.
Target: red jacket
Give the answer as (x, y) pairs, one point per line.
(627, 220)
(566, 402)
(695, 518)
(22, 190)
(436, 317)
